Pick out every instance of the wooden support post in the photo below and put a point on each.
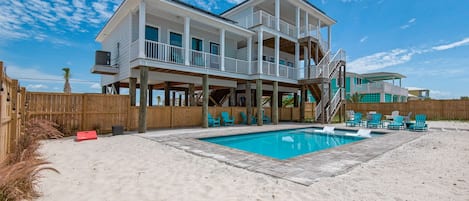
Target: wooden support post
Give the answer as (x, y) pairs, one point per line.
(259, 102)
(180, 100)
(275, 104)
(232, 97)
(117, 87)
(248, 102)
(295, 99)
(174, 99)
(142, 114)
(133, 91)
(166, 94)
(205, 89)
(150, 95)
(302, 103)
(104, 90)
(186, 97)
(192, 95)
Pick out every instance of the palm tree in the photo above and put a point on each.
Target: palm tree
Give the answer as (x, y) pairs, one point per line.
(67, 75)
(355, 98)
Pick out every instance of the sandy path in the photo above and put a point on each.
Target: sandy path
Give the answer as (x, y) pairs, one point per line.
(433, 167)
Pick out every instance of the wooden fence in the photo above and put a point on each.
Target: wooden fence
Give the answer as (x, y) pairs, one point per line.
(11, 113)
(79, 111)
(434, 109)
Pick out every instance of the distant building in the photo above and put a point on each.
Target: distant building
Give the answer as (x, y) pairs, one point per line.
(418, 93)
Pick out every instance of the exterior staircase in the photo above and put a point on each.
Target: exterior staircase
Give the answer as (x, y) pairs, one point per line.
(329, 100)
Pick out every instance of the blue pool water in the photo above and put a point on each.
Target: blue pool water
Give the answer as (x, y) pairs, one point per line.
(285, 144)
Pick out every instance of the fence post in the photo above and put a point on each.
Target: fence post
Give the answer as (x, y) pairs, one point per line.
(83, 110)
(22, 110)
(14, 116)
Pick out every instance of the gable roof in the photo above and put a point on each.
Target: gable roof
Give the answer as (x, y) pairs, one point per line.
(244, 2)
(202, 10)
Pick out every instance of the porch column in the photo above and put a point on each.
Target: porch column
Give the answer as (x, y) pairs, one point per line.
(191, 95)
(222, 49)
(249, 55)
(277, 15)
(260, 41)
(275, 104)
(382, 98)
(141, 30)
(232, 97)
(142, 114)
(297, 59)
(187, 40)
(318, 45)
(186, 97)
(295, 99)
(174, 99)
(277, 55)
(180, 100)
(259, 102)
(307, 24)
(166, 94)
(302, 103)
(297, 17)
(205, 101)
(150, 95)
(133, 90)
(329, 36)
(248, 101)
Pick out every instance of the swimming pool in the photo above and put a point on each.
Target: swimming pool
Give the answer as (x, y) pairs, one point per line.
(287, 143)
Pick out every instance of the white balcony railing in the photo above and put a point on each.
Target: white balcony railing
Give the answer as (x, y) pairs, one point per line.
(380, 87)
(287, 72)
(261, 17)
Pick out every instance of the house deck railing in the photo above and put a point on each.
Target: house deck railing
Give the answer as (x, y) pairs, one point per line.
(380, 87)
(261, 17)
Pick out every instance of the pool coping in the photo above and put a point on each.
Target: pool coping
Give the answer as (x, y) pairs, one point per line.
(304, 169)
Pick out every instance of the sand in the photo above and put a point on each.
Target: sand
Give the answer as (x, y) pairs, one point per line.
(129, 167)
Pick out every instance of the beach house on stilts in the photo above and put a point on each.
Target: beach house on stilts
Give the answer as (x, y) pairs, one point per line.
(252, 54)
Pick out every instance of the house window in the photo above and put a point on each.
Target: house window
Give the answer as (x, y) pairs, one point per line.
(214, 58)
(176, 54)
(151, 33)
(197, 44)
(282, 62)
(197, 57)
(175, 39)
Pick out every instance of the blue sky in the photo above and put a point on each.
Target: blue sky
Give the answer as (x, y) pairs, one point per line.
(428, 41)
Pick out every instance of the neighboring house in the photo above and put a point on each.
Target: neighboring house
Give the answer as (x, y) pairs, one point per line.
(384, 87)
(277, 47)
(418, 93)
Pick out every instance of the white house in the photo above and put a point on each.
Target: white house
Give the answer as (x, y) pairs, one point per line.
(282, 46)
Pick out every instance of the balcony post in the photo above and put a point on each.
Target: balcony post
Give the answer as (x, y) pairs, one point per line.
(260, 46)
(297, 58)
(306, 24)
(277, 55)
(298, 12)
(249, 56)
(187, 38)
(141, 30)
(329, 36)
(222, 49)
(277, 15)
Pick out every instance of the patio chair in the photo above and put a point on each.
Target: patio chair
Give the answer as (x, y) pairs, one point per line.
(375, 121)
(419, 124)
(265, 118)
(357, 120)
(360, 133)
(393, 114)
(397, 123)
(213, 122)
(407, 118)
(350, 114)
(245, 118)
(226, 120)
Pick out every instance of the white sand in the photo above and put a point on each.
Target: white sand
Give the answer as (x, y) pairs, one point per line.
(433, 167)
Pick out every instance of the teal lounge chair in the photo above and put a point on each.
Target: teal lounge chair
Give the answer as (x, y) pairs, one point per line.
(375, 121)
(357, 120)
(245, 118)
(420, 124)
(213, 122)
(265, 118)
(397, 123)
(226, 120)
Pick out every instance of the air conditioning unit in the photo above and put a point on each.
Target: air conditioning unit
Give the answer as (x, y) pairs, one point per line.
(103, 58)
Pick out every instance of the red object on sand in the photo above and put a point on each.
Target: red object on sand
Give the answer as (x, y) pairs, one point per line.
(86, 135)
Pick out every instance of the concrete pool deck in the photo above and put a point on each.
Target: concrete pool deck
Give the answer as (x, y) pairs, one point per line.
(305, 169)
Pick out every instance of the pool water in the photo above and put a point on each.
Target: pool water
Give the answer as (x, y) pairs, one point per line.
(285, 144)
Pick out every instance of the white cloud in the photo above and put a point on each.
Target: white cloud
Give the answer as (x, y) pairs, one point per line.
(437, 94)
(452, 45)
(35, 75)
(96, 86)
(31, 19)
(381, 60)
(409, 23)
(36, 86)
(363, 39)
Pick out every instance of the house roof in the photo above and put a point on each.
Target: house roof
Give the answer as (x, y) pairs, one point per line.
(416, 89)
(379, 76)
(202, 10)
